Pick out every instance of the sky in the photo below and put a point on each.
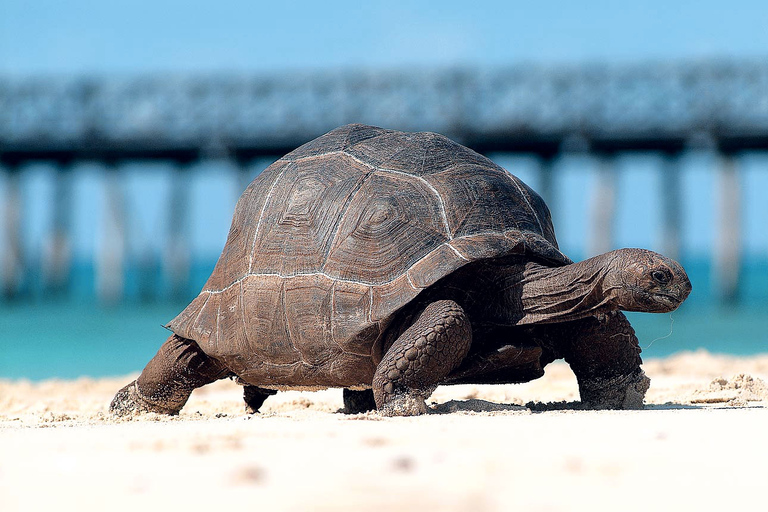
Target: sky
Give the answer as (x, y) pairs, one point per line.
(116, 37)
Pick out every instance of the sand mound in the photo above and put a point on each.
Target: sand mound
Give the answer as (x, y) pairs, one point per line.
(736, 391)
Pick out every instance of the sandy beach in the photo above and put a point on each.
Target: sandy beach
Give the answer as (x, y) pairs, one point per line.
(700, 444)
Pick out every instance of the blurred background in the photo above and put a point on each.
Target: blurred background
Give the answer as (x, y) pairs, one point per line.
(129, 129)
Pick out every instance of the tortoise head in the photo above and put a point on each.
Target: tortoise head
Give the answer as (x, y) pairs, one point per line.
(646, 281)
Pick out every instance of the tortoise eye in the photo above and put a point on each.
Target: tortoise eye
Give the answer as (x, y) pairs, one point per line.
(660, 276)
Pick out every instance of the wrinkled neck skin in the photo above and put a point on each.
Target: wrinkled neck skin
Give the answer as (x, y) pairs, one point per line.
(560, 294)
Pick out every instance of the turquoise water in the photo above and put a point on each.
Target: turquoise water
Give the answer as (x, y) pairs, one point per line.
(70, 340)
(76, 337)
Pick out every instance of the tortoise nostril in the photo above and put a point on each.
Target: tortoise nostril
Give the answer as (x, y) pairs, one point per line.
(682, 290)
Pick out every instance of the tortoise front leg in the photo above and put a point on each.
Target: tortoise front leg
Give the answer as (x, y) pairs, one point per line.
(179, 367)
(605, 356)
(420, 358)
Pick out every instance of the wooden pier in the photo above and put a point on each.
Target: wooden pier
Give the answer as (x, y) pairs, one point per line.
(605, 111)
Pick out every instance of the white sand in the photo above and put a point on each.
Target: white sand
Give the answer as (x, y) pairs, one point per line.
(701, 444)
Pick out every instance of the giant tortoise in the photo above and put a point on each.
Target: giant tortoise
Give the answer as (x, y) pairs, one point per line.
(388, 263)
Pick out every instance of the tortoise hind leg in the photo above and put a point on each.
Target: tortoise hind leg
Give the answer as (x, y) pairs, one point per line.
(164, 386)
(356, 402)
(254, 397)
(420, 358)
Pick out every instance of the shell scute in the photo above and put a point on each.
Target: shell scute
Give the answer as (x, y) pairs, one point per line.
(265, 322)
(490, 201)
(308, 313)
(302, 214)
(351, 312)
(435, 265)
(336, 140)
(392, 222)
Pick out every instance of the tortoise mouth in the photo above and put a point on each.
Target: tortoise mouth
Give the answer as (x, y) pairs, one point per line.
(654, 301)
(675, 295)
(670, 301)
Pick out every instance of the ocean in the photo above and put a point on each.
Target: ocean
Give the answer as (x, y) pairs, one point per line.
(77, 337)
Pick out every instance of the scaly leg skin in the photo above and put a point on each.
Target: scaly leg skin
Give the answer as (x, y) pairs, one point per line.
(254, 397)
(622, 392)
(356, 402)
(605, 356)
(420, 358)
(179, 367)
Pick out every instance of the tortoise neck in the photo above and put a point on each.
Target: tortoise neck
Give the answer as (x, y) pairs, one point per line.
(560, 294)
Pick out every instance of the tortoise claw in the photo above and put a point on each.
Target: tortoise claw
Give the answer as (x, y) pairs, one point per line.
(404, 404)
(128, 402)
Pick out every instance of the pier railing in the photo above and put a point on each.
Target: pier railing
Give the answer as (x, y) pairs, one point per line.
(606, 110)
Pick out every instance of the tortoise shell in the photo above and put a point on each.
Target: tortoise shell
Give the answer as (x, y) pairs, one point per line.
(332, 240)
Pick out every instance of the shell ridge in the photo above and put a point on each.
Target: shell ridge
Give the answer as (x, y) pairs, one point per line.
(347, 202)
(345, 144)
(200, 312)
(381, 133)
(218, 327)
(527, 201)
(423, 160)
(410, 281)
(261, 215)
(289, 335)
(455, 250)
(333, 310)
(242, 317)
(370, 304)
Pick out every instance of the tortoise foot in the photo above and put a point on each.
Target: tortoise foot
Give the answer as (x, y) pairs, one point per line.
(254, 398)
(420, 358)
(404, 404)
(625, 392)
(128, 402)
